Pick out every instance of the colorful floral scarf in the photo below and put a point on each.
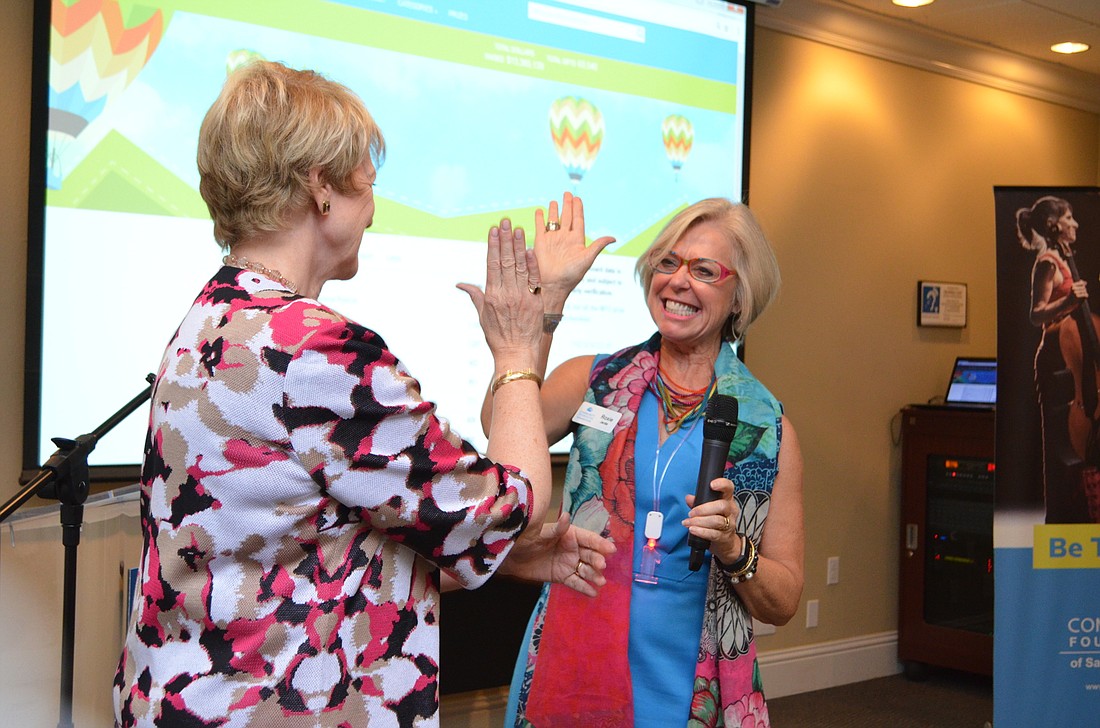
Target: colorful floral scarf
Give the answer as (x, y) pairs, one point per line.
(579, 644)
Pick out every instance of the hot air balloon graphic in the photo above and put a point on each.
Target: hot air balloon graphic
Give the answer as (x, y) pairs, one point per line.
(576, 126)
(97, 47)
(678, 135)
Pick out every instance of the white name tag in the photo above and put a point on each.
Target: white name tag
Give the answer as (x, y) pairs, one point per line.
(654, 524)
(596, 416)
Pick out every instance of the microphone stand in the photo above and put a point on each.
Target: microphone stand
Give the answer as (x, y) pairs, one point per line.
(64, 477)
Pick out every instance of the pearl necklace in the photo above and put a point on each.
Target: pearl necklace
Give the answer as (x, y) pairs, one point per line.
(260, 268)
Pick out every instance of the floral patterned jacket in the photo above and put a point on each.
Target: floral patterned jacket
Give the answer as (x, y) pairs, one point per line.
(298, 499)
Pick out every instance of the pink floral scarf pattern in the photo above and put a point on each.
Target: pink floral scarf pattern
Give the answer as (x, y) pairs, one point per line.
(578, 644)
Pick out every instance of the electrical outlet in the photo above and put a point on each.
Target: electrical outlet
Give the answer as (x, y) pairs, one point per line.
(811, 613)
(832, 571)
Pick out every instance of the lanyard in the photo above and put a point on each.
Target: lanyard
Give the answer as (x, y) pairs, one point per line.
(655, 519)
(655, 515)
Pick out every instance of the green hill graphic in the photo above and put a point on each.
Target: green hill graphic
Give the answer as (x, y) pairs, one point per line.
(117, 176)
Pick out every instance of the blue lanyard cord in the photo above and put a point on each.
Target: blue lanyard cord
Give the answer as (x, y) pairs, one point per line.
(657, 484)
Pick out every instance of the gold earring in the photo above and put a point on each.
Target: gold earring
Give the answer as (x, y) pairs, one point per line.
(325, 207)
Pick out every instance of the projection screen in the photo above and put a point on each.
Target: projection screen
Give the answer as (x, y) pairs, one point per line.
(490, 108)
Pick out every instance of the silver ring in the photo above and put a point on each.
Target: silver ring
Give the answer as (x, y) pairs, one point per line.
(552, 225)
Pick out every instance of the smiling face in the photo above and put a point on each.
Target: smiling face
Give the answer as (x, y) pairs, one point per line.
(687, 312)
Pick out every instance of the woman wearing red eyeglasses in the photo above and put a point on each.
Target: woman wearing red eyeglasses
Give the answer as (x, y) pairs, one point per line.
(662, 645)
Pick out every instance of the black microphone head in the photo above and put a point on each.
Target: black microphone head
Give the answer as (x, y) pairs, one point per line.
(720, 421)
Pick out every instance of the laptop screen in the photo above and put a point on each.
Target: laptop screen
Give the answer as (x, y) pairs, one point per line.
(973, 381)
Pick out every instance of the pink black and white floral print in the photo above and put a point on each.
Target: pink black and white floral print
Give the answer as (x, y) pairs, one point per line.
(298, 498)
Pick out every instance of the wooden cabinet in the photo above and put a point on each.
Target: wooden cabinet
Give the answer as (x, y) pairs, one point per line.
(945, 597)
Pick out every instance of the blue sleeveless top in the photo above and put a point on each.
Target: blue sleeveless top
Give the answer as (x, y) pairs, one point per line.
(666, 616)
(722, 662)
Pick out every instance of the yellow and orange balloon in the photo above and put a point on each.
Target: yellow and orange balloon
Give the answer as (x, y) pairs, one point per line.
(576, 127)
(97, 48)
(678, 135)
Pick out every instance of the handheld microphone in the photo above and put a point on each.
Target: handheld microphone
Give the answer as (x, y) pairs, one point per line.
(719, 427)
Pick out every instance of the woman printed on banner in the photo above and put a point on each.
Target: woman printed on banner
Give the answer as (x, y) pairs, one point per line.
(1065, 362)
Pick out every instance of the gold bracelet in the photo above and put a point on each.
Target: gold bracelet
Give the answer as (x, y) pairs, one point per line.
(745, 567)
(514, 376)
(749, 570)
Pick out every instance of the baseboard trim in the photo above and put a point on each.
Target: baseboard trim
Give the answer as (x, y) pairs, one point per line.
(474, 709)
(784, 672)
(828, 664)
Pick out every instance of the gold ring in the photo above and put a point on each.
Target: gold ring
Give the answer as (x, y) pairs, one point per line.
(534, 289)
(727, 526)
(552, 225)
(577, 571)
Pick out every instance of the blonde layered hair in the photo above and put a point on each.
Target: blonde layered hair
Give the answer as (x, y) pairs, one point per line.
(267, 129)
(753, 258)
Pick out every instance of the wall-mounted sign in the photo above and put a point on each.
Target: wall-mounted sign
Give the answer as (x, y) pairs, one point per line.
(941, 304)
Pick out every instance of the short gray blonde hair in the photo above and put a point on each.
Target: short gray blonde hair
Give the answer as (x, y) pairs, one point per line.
(753, 258)
(267, 129)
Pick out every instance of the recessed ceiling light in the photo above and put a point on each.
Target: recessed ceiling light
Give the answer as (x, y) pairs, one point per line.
(913, 3)
(1070, 47)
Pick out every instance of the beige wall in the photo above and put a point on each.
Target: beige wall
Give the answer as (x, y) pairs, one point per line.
(15, 85)
(868, 176)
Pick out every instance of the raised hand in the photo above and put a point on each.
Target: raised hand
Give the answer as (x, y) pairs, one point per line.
(561, 249)
(510, 309)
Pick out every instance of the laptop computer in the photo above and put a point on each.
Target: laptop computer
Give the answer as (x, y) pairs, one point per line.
(973, 383)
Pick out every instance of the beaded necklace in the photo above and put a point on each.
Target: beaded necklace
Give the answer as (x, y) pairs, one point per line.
(678, 403)
(260, 268)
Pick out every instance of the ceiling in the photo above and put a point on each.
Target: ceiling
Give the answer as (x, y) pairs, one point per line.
(1025, 27)
(1004, 44)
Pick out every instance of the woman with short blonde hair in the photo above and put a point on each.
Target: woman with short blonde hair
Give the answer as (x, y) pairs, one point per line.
(300, 499)
(263, 135)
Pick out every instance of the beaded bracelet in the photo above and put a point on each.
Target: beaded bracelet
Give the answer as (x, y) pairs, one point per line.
(514, 376)
(745, 567)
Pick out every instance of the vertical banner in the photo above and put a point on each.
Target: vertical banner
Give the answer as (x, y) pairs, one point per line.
(1046, 533)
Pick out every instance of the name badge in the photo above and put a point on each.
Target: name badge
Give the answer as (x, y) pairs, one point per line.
(598, 417)
(654, 524)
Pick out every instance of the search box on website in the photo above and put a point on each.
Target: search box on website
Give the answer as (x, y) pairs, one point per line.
(583, 21)
(707, 18)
